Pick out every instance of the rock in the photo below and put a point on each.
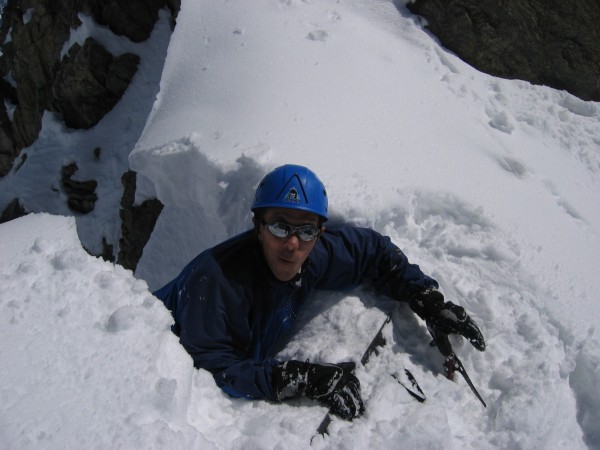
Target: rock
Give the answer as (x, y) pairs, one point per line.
(32, 56)
(7, 152)
(548, 42)
(90, 82)
(38, 30)
(14, 210)
(81, 195)
(132, 18)
(137, 222)
(82, 87)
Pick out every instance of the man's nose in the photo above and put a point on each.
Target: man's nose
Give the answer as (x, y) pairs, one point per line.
(291, 242)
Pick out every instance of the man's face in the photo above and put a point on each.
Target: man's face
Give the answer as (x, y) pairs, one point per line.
(285, 256)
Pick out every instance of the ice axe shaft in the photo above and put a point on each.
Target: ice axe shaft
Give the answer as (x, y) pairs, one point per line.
(453, 364)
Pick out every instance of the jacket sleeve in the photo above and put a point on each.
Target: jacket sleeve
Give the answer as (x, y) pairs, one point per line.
(351, 256)
(213, 326)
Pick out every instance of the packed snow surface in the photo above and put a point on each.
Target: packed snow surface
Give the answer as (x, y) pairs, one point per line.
(490, 185)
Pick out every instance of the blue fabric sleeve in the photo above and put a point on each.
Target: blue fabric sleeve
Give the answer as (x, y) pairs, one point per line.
(350, 256)
(214, 328)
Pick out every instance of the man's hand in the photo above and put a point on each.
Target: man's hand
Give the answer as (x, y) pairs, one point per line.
(444, 318)
(336, 386)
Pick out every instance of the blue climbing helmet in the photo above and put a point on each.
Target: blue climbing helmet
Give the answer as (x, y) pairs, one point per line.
(294, 187)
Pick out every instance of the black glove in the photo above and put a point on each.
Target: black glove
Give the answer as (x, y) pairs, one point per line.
(336, 386)
(444, 318)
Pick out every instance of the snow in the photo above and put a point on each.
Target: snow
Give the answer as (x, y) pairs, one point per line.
(37, 182)
(490, 185)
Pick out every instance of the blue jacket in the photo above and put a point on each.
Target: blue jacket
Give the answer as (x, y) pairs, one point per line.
(230, 312)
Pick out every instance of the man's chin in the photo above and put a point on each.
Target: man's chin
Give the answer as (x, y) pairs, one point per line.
(284, 278)
(285, 275)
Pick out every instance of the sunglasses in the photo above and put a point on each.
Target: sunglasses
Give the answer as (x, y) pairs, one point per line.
(282, 230)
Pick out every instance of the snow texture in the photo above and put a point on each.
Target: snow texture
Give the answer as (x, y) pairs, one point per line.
(490, 185)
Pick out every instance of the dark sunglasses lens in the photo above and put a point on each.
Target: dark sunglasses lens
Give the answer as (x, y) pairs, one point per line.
(282, 230)
(279, 229)
(308, 233)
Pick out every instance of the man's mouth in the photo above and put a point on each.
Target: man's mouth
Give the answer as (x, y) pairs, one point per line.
(286, 261)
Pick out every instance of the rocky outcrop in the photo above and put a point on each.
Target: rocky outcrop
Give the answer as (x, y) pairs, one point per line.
(90, 82)
(132, 18)
(14, 210)
(81, 195)
(84, 85)
(33, 33)
(548, 42)
(137, 222)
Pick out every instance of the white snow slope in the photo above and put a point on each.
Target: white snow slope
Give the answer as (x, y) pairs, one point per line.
(490, 185)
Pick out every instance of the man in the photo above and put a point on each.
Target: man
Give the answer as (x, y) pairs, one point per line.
(235, 302)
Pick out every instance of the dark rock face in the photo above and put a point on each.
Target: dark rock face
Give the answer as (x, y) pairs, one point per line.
(81, 195)
(90, 82)
(84, 85)
(14, 210)
(549, 42)
(137, 223)
(38, 30)
(133, 18)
